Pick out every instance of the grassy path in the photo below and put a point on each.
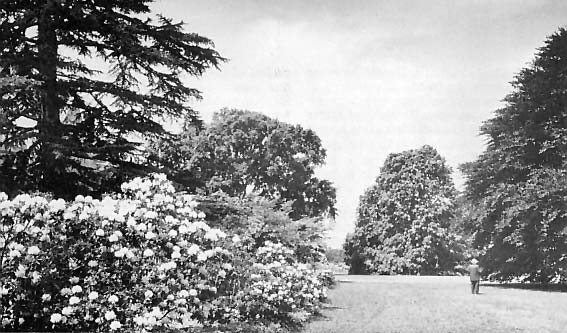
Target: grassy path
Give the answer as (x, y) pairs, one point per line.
(373, 304)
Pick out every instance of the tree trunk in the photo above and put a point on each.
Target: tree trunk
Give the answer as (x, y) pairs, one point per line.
(47, 54)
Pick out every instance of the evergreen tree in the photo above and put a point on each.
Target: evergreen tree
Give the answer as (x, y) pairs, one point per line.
(82, 83)
(519, 183)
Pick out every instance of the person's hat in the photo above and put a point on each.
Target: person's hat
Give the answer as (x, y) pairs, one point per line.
(474, 261)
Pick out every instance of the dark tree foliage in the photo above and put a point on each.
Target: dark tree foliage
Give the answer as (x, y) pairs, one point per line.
(243, 152)
(519, 183)
(404, 218)
(82, 82)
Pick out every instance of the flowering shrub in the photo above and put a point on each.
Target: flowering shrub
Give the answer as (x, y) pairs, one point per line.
(139, 260)
(280, 289)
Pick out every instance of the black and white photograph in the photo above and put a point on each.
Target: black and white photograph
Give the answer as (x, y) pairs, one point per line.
(295, 166)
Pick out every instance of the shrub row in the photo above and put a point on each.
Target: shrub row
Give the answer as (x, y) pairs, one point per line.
(142, 260)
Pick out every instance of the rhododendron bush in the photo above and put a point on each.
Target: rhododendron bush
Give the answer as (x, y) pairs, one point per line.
(281, 289)
(139, 260)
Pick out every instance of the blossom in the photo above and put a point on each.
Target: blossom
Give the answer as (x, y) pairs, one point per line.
(115, 325)
(99, 232)
(151, 215)
(151, 321)
(74, 280)
(148, 253)
(175, 255)
(156, 312)
(46, 297)
(74, 300)
(57, 205)
(193, 249)
(33, 250)
(14, 254)
(67, 310)
(113, 299)
(141, 227)
(109, 315)
(129, 253)
(113, 238)
(106, 208)
(172, 233)
(193, 292)
(183, 229)
(21, 272)
(68, 215)
(92, 263)
(76, 289)
(131, 222)
(211, 235)
(148, 293)
(167, 266)
(120, 253)
(93, 295)
(36, 277)
(55, 318)
(139, 320)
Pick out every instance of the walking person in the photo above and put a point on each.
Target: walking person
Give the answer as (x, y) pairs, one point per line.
(474, 272)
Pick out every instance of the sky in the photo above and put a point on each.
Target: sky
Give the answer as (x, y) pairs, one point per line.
(371, 78)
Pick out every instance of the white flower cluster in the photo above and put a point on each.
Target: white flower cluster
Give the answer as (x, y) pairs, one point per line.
(282, 290)
(138, 260)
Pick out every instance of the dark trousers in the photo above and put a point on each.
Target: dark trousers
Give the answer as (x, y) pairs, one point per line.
(474, 286)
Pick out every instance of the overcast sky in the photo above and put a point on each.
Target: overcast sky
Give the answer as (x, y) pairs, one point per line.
(369, 77)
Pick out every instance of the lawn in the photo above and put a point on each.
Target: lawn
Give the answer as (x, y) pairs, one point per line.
(372, 304)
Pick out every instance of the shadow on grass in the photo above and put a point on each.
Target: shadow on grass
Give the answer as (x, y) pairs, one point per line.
(322, 317)
(558, 288)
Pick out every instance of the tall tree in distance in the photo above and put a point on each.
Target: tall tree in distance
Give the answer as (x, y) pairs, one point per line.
(243, 152)
(403, 219)
(519, 183)
(79, 81)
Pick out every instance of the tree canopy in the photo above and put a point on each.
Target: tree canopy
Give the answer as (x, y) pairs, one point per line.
(82, 83)
(519, 183)
(403, 218)
(243, 152)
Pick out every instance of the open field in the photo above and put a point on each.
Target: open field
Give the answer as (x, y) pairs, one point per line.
(372, 304)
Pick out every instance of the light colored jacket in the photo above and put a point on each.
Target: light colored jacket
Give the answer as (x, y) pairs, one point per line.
(474, 271)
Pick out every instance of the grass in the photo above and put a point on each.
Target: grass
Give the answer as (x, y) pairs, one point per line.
(374, 304)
